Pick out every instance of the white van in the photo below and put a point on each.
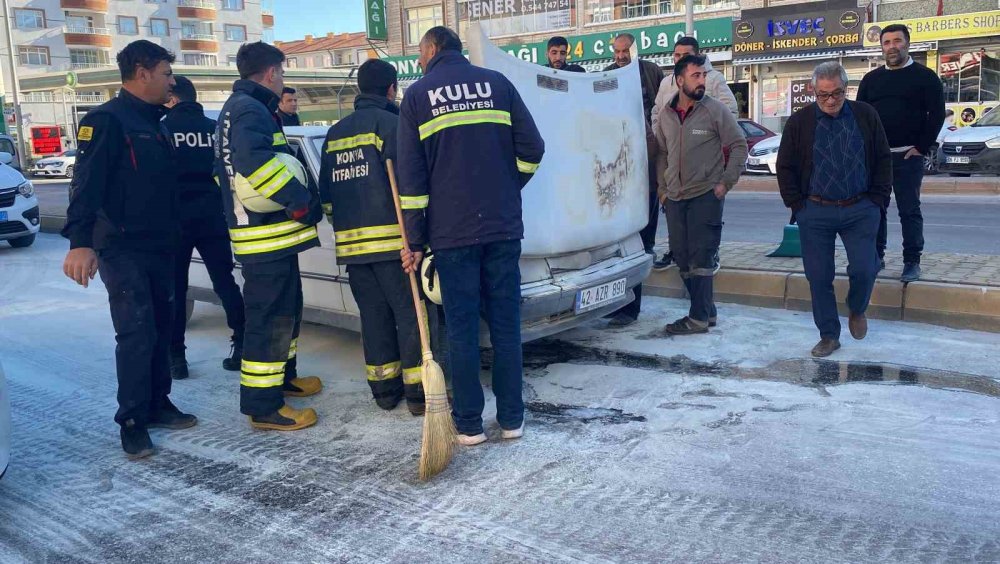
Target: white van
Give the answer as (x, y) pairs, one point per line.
(582, 255)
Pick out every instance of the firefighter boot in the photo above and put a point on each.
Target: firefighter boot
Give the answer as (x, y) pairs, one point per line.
(178, 365)
(302, 387)
(387, 393)
(414, 394)
(235, 354)
(135, 440)
(285, 419)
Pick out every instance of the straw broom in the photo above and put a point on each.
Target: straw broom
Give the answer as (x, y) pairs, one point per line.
(438, 441)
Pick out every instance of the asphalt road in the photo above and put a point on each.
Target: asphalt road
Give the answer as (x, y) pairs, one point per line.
(958, 224)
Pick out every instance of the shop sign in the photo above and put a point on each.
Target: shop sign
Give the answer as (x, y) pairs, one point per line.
(375, 20)
(833, 24)
(941, 28)
(715, 32)
(801, 94)
(968, 113)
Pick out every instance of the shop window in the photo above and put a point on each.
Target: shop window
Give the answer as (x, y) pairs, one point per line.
(969, 77)
(419, 20)
(605, 11)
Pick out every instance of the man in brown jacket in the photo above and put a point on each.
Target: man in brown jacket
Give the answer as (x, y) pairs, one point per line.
(694, 178)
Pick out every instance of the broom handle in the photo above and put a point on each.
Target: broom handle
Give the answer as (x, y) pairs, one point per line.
(418, 304)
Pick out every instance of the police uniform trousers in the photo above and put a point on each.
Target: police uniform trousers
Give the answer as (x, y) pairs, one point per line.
(389, 333)
(211, 237)
(272, 292)
(140, 293)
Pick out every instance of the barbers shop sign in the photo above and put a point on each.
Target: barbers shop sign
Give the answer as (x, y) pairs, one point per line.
(814, 26)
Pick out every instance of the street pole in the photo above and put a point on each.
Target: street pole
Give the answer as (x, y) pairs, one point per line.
(12, 60)
(340, 100)
(689, 18)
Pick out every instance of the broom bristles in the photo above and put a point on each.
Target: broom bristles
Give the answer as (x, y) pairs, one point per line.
(438, 442)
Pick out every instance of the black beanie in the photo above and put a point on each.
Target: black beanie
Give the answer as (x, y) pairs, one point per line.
(375, 76)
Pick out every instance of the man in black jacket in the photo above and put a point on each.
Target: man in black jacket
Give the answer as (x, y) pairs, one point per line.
(557, 52)
(835, 173)
(122, 220)
(288, 107)
(203, 225)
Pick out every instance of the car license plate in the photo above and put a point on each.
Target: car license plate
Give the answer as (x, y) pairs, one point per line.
(3, 216)
(753, 161)
(592, 298)
(959, 160)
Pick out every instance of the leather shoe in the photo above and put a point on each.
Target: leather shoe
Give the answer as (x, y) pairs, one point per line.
(858, 324)
(911, 272)
(825, 347)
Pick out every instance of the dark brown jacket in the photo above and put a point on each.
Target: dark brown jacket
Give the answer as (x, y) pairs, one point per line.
(795, 156)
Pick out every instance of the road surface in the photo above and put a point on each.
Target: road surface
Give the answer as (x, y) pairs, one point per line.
(727, 447)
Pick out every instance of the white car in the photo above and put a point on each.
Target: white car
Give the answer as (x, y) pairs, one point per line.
(19, 218)
(763, 158)
(61, 165)
(4, 424)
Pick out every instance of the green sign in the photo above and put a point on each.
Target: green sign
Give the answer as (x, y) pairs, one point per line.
(651, 40)
(71, 79)
(375, 18)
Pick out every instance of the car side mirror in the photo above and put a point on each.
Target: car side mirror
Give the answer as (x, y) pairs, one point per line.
(6, 158)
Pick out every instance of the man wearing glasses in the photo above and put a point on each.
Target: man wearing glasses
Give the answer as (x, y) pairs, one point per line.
(835, 173)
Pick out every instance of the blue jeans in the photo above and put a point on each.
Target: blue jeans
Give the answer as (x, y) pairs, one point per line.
(483, 277)
(857, 226)
(907, 175)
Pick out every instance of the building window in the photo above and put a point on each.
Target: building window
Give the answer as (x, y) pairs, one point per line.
(33, 56)
(232, 4)
(88, 58)
(236, 33)
(200, 60)
(128, 25)
(79, 24)
(29, 19)
(292, 63)
(419, 20)
(159, 27)
(605, 11)
(197, 30)
(231, 60)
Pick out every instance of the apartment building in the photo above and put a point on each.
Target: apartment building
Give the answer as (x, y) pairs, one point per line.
(344, 50)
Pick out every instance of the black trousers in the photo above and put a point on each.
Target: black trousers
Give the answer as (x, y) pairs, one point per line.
(907, 176)
(695, 228)
(272, 292)
(389, 333)
(140, 291)
(211, 238)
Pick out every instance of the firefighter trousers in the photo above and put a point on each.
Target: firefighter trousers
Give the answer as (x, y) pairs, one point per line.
(389, 333)
(272, 292)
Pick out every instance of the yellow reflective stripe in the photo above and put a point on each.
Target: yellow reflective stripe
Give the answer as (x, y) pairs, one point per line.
(463, 118)
(356, 141)
(370, 248)
(279, 139)
(293, 349)
(374, 232)
(277, 182)
(382, 372)
(526, 167)
(266, 170)
(271, 381)
(262, 367)
(328, 209)
(414, 202)
(412, 375)
(264, 231)
(275, 244)
(217, 183)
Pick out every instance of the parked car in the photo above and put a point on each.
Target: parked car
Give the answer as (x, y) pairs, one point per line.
(19, 221)
(7, 145)
(59, 165)
(763, 157)
(4, 424)
(973, 149)
(933, 158)
(755, 132)
(582, 254)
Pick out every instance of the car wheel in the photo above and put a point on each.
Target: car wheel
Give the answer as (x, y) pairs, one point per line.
(931, 161)
(22, 242)
(69, 171)
(960, 174)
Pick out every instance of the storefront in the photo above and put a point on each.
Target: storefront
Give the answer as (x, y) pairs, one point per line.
(965, 54)
(776, 49)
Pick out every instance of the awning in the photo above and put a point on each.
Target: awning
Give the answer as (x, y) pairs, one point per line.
(824, 54)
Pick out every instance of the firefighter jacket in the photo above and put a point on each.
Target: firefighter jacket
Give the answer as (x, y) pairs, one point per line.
(124, 191)
(248, 136)
(193, 135)
(467, 145)
(354, 183)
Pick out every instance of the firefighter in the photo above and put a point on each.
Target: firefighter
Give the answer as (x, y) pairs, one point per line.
(203, 224)
(249, 138)
(358, 201)
(122, 221)
(467, 145)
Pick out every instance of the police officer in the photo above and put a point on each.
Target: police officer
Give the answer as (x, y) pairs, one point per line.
(203, 225)
(358, 200)
(467, 145)
(249, 137)
(122, 221)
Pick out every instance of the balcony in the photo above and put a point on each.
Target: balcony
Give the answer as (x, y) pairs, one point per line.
(88, 66)
(87, 36)
(199, 42)
(85, 5)
(267, 19)
(196, 10)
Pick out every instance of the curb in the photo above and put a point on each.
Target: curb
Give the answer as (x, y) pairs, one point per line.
(957, 306)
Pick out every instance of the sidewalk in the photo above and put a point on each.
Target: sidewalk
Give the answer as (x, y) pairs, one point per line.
(960, 291)
(938, 184)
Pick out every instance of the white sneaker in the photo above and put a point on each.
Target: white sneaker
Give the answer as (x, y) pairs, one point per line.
(512, 433)
(471, 440)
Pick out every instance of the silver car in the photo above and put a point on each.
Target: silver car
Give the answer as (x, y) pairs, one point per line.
(61, 165)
